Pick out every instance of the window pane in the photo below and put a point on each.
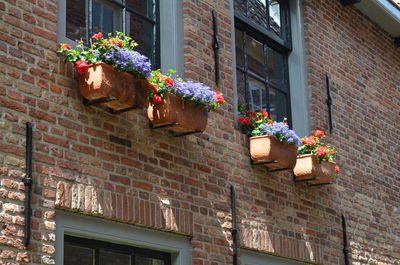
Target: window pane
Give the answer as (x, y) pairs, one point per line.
(76, 20)
(258, 12)
(106, 17)
(257, 97)
(275, 16)
(143, 33)
(241, 88)
(144, 7)
(255, 56)
(276, 68)
(277, 104)
(77, 255)
(147, 261)
(112, 258)
(240, 5)
(239, 48)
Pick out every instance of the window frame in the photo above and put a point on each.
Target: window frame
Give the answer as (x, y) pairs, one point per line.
(94, 228)
(282, 45)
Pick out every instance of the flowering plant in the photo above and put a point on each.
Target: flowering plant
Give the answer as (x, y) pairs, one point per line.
(312, 145)
(116, 51)
(187, 90)
(259, 124)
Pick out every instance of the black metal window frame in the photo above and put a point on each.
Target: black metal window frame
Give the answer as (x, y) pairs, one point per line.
(281, 44)
(123, 10)
(96, 245)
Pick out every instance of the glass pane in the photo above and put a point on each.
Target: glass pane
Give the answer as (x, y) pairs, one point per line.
(106, 18)
(77, 255)
(144, 7)
(112, 258)
(143, 33)
(258, 12)
(277, 104)
(275, 16)
(147, 261)
(76, 20)
(240, 5)
(239, 48)
(241, 88)
(276, 68)
(255, 56)
(257, 97)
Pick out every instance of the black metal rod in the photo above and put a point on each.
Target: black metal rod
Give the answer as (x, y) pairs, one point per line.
(234, 230)
(28, 184)
(215, 46)
(263, 163)
(175, 134)
(345, 248)
(329, 102)
(319, 184)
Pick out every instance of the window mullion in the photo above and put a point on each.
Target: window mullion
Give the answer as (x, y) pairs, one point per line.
(89, 19)
(96, 256)
(246, 68)
(267, 14)
(266, 73)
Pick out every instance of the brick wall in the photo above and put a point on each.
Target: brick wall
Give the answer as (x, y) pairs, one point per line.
(182, 184)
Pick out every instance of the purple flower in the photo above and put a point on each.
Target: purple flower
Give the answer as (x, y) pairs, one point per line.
(280, 131)
(196, 92)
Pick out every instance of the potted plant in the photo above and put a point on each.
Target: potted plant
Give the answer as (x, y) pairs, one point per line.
(180, 106)
(272, 143)
(315, 162)
(109, 70)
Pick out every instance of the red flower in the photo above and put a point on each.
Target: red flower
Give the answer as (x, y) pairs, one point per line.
(110, 42)
(97, 36)
(264, 113)
(321, 151)
(319, 133)
(156, 99)
(310, 141)
(64, 46)
(244, 120)
(153, 87)
(168, 81)
(220, 98)
(119, 43)
(337, 170)
(253, 114)
(82, 67)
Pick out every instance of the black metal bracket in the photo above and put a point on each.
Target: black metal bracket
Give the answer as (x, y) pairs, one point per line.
(303, 180)
(397, 42)
(329, 102)
(319, 184)
(234, 230)
(345, 248)
(105, 100)
(268, 163)
(349, 2)
(215, 46)
(175, 134)
(27, 180)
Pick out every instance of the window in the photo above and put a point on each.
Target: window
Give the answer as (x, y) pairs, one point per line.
(84, 251)
(248, 257)
(263, 44)
(136, 18)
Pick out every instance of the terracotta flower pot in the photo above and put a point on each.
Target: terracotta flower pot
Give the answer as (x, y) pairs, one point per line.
(308, 168)
(188, 116)
(103, 81)
(273, 154)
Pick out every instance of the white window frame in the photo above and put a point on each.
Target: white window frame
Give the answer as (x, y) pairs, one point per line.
(248, 257)
(299, 100)
(114, 232)
(171, 33)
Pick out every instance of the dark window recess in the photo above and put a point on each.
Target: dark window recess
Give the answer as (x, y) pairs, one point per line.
(262, 48)
(85, 251)
(136, 18)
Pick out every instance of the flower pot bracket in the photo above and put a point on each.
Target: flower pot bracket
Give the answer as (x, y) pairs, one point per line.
(310, 184)
(174, 134)
(270, 162)
(105, 100)
(319, 184)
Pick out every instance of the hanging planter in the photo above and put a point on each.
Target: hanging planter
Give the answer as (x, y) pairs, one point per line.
(309, 168)
(117, 90)
(177, 115)
(111, 72)
(275, 155)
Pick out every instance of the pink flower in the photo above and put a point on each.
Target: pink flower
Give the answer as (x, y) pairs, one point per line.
(319, 133)
(97, 36)
(337, 170)
(321, 151)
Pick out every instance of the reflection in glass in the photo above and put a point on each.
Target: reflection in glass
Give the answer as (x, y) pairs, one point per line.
(241, 87)
(258, 12)
(276, 68)
(106, 18)
(255, 56)
(77, 255)
(239, 48)
(148, 261)
(277, 104)
(144, 7)
(275, 16)
(257, 98)
(76, 20)
(113, 258)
